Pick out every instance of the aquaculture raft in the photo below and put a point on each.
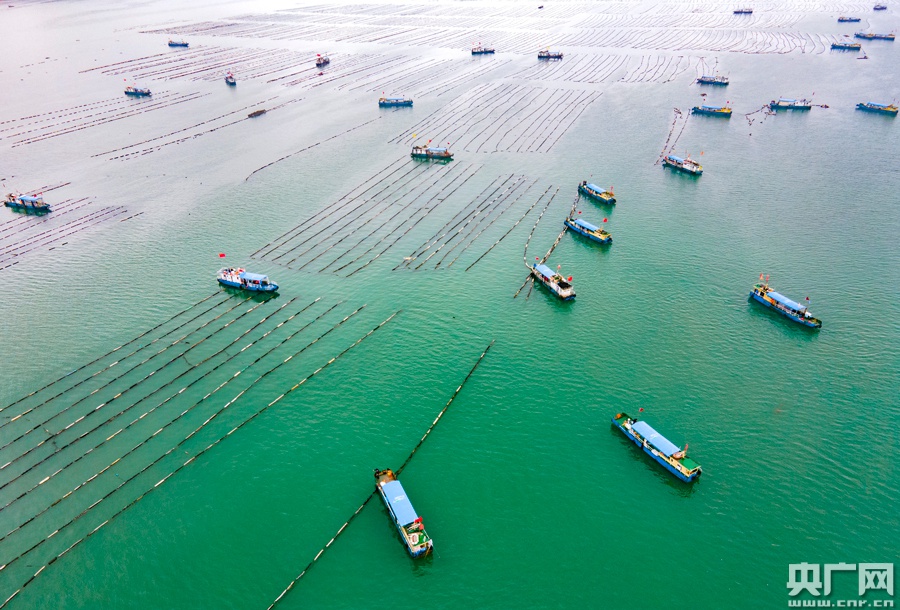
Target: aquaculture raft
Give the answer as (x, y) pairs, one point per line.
(179, 43)
(687, 165)
(553, 281)
(239, 278)
(137, 92)
(783, 305)
(390, 102)
(654, 444)
(439, 154)
(588, 230)
(880, 108)
(720, 111)
(27, 203)
(713, 80)
(788, 104)
(548, 54)
(406, 520)
(594, 191)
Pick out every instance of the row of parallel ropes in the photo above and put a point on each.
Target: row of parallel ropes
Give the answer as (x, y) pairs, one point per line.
(81, 450)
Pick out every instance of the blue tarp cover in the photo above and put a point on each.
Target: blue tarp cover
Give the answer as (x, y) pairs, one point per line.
(438, 150)
(655, 438)
(594, 187)
(676, 159)
(784, 300)
(395, 99)
(876, 105)
(784, 99)
(400, 504)
(28, 199)
(586, 225)
(254, 276)
(545, 271)
(705, 107)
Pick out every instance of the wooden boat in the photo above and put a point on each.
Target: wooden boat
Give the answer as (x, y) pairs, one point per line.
(178, 43)
(707, 79)
(588, 230)
(849, 19)
(27, 203)
(595, 192)
(687, 165)
(784, 103)
(406, 520)
(662, 450)
(783, 305)
(880, 108)
(322, 61)
(880, 7)
(393, 102)
(256, 113)
(230, 80)
(548, 54)
(846, 46)
(240, 278)
(137, 92)
(480, 50)
(430, 152)
(872, 36)
(743, 11)
(553, 281)
(720, 111)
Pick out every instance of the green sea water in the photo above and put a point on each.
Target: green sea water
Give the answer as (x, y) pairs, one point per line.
(532, 498)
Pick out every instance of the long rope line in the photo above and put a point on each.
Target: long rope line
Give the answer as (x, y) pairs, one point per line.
(371, 495)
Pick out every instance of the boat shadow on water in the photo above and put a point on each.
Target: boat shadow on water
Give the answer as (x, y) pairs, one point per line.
(256, 297)
(685, 490)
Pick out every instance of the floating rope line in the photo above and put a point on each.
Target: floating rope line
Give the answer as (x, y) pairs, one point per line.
(177, 418)
(372, 495)
(111, 352)
(527, 241)
(186, 463)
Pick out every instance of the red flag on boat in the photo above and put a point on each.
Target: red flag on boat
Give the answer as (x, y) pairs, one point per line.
(537, 258)
(570, 278)
(221, 255)
(604, 220)
(641, 409)
(760, 277)
(579, 211)
(807, 298)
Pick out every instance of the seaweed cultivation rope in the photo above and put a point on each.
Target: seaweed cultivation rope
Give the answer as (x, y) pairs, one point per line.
(371, 495)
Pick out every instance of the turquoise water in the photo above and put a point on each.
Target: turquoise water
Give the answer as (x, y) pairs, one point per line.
(531, 496)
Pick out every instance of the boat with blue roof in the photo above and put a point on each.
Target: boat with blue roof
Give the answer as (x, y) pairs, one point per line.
(784, 103)
(592, 190)
(743, 11)
(548, 54)
(661, 449)
(137, 92)
(849, 19)
(27, 203)
(684, 164)
(880, 7)
(783, 305)
(480, 50)
(588, 230)
(407, 521)
(394, 102)
(890, 109)
(708, 79)
(845, 46)
(178, 43)
(719, 111)
(431, 152)
(873, 36)
(236, 277)
(553, 281)
(230, 80)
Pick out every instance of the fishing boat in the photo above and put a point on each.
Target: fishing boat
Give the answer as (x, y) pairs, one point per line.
(720, 111)
(548, 54)
(431, 152)
(687, 165)
(880, 7)
(654, 444)
(594, 191)
(256, 113)
(554, 282)
(845, 46)
(240, 278)
(784, 103)
(880, 108)
(392, 102)
(322, 61)
(480, 50)
(137, 92)
(230, 80)
(743, 11)
(707, 79)
(27, 203)
(872, 36)
(849, 19)
(783, 305)
(588, 230)
(406, 520)
(178, 43)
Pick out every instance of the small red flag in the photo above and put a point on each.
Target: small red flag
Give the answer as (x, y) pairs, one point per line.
(579, 211)
(604, 220)
(807, 298)
(641, 409)
(221, 255)
(537, 258)
(570, 278)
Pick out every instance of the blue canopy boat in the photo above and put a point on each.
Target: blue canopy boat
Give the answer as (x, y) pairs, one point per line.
(720, 111)
(880, 108)
(687, 165)
(230, 80)
(880, 7)
(846, 46)
(137, 92)
(27, 203)
(784, 103)
(406, 520)
(658, 447)
(596, 192)
(431, 152)
(849, 19)
(553, 281)
(873, 36)
(713, 80)
(239, 278)
(480, 50)
(391, 102)
(783, 305)
(743, 11)
(178, 43)
(588, 230)
(548, 54)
